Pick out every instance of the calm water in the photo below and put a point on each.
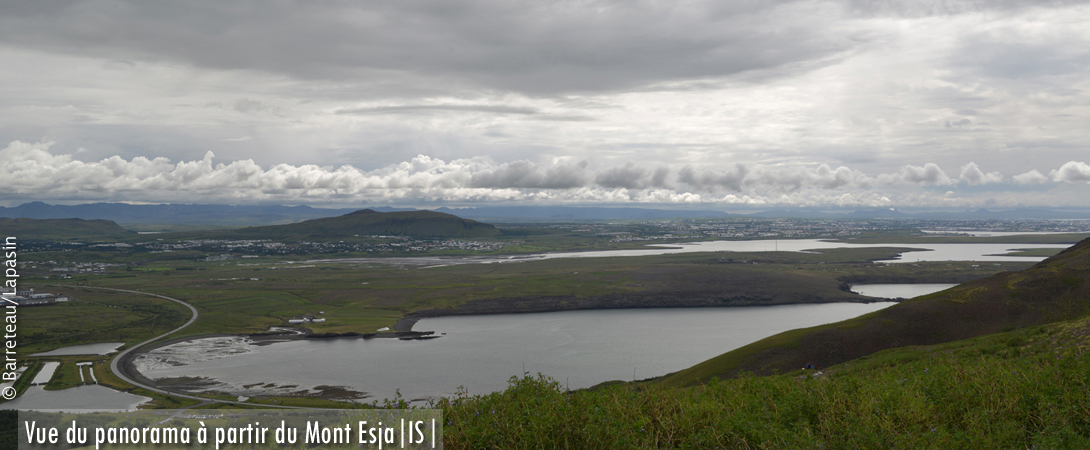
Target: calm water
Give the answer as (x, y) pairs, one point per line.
(900, 290)
(577, 348)
(78, 399)
(925, 252)
(46, 374)
(102, 348)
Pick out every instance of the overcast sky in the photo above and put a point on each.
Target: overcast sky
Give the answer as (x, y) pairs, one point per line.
(716, 105)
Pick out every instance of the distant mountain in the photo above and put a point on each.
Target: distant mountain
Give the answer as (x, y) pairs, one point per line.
(59, 228)
(179, 214)
(252, 215)
(565, 213)
(371, 222)
(1053, 290)
(241, 215)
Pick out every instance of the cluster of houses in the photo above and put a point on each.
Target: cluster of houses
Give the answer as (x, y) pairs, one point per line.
(306, 318)
(31, 298)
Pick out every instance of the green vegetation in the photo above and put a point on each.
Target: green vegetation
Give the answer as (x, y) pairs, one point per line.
(60, 229)
(1051, 291)
(249, 296)
(990, 392)
(97, 316)
(994, 363)
(33, 367)
(370, 222)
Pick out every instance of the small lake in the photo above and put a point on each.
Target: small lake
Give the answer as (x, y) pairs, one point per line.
(905, 291)
(46, 374)
(990, 252)
(85, 398)
(577, 348)
(102, 348)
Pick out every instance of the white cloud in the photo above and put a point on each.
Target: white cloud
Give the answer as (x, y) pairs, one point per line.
(32, 171)
(974, 176)
(1031, 177)
(929, 174)
(1072, 172)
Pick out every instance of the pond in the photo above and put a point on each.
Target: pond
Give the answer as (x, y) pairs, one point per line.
(895, 291)
(577, 348)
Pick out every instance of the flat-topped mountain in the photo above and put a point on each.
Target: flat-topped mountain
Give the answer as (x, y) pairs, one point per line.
(1056, 289)
(371, 222)
(59, 228)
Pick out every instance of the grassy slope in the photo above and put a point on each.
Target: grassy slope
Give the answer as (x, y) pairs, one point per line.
(63, 229)
(1051, 291)
(369, 222)
(1025, 388)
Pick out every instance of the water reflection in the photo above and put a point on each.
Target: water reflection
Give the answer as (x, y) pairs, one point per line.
(578, 348)
(78, 399)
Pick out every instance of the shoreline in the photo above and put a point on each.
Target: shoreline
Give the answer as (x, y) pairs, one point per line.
(127, 363)
(522, 305)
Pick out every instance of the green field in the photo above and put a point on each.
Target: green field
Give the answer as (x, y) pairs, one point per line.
(96, 316)
(249, 296)
(1012, 383)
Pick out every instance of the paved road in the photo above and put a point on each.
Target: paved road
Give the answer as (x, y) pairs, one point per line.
(115, 363)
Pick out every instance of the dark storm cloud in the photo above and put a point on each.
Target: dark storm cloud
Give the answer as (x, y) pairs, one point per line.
(412, 109)
(714, 180)
(631, 176)
(536, 47)
(525, 174)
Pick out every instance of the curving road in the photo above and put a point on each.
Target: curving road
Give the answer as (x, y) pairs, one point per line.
(115, 363)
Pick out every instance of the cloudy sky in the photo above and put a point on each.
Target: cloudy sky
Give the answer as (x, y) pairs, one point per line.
(716, 105)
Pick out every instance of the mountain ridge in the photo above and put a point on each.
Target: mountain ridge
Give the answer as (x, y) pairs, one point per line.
(253, 215)
(1053, 290)
(60, 228)
(371, 222)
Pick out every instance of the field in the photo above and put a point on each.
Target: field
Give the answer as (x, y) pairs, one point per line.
(249, 296)
(1021, 387)
(96, 316)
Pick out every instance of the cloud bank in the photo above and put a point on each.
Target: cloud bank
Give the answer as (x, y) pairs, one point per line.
(32, 170)
(941, 103)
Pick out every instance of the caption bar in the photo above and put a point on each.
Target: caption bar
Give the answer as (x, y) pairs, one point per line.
(233, 428)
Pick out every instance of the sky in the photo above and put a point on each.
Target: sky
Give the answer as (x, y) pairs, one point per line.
(668, 104)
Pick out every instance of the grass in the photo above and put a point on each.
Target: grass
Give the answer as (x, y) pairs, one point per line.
(1051, 291)
(231, 303)
(364, 297)
(989, 392)
(96, 316)
(33, 367)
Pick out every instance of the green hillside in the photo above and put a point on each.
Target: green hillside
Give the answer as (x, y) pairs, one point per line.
(1051, 291)
(370, 222)
(59, 228)
(995, 363)
(1027, 388)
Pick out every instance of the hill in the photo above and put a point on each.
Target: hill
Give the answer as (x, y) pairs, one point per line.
(579, 213)
(1053, 290)
(179, 214)
(59, 228)
(371, 222)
